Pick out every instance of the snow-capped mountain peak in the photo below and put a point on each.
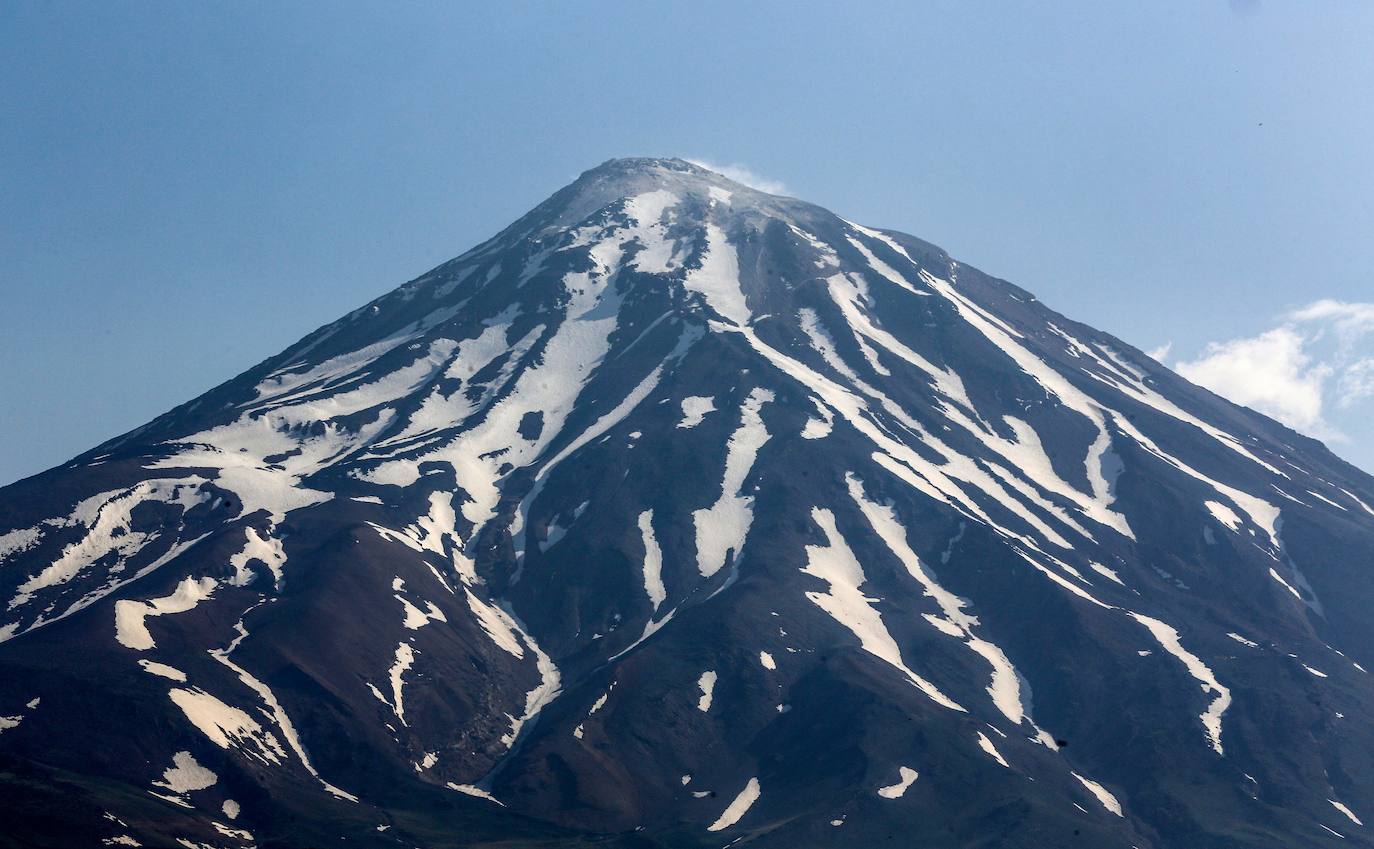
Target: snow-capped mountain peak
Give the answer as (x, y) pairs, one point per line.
(675, 514)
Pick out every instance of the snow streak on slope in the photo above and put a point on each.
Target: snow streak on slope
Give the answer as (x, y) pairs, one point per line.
(440, 411)
(1168, 640)
(1005, 687)
(1024, 453)
(986, 745)
(1262, 513)
(739, 807)
(722, 527)
(275, 711)
(131, 627)
(717, 279)
(846, 603)
(549, 387)
(929, 478)
(171, 673)
(497, 624)
(653, 561)
(405, 656)
(632, 400)
(106, 522)
(18, 541)
(1107, 799)
(227, 726)
(1348, 813)
(548, 688)
(936, 480)
(658, 253)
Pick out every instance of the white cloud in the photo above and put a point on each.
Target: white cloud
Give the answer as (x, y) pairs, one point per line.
(1270, 373)
(1356, 383)
(1350, 319)
(1161, 353)
(743, 174)
(1308, 372)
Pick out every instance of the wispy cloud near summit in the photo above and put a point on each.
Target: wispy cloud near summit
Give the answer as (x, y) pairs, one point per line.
(742, 174)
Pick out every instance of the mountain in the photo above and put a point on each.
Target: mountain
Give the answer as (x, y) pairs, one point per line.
(682, 515)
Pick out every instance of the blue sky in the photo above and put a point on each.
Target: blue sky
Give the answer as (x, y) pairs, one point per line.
(188, 188)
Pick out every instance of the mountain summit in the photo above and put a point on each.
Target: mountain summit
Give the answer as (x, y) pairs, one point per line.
(682, 515)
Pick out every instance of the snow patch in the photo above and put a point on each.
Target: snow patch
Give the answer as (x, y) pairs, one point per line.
(986, 745)
(1273, 573)
(707, 684)
(907, 775)
(694, 409)
(1223, 514)
(739, 807)
(268, 549)
(18, 541)
(1343, 809)
(169, 672)
(185, 775)
(1107, 799)
(653, 561)
(474, 790)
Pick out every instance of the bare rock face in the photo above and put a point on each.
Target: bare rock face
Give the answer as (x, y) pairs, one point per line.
(682, 515)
